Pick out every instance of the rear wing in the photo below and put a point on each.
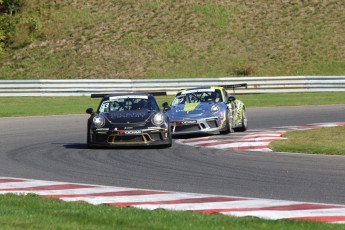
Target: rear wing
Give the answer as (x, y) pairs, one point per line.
(234, 86)
(101, 95)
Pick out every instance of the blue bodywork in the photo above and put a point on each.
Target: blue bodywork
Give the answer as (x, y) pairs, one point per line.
(206, 110)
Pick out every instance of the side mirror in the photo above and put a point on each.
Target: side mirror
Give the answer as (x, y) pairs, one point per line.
(166, 107)
(231, 99)
(89, 110)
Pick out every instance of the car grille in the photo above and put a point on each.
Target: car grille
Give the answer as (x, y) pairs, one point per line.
(212, 123)
(184, 128)
(134, 139)
(115, 139)
(156, 136)
(100, 137)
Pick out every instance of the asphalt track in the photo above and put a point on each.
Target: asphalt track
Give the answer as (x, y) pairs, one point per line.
(53, 148)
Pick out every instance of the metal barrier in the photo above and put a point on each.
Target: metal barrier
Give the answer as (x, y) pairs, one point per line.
(171, 86)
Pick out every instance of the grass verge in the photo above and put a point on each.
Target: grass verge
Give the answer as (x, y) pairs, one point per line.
(130, 39)
(34, 212)
(315, 141)
(32, 106)
(292, 99)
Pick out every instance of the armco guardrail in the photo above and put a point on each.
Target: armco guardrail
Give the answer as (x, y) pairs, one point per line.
(171, 86)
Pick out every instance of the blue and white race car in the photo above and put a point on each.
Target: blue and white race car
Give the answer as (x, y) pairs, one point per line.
(206, 110)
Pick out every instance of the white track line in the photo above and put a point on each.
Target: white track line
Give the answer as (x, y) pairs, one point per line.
(155, 199)
(253, 140)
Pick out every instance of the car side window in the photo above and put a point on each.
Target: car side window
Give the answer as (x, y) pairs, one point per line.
(104, 107)
(216, 96)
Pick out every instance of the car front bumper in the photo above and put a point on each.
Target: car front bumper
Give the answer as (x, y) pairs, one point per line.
(204, 125)
(145, 137)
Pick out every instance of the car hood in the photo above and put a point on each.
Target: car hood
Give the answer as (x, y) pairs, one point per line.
(190, 110)
(129, 116)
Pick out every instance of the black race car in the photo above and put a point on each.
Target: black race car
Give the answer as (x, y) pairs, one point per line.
(127, 119)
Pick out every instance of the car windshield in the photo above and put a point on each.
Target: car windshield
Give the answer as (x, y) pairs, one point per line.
(197, 96)
(128, 103)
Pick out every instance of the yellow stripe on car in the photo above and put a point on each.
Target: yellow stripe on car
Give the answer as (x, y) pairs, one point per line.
(190, 106)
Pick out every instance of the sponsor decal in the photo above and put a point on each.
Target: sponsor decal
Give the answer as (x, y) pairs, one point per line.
(128, 127)
(188, 122)
(129, 132)
(102, 129)
(128, 115)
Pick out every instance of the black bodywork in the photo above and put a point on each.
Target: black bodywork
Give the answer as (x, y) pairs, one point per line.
(128, 119)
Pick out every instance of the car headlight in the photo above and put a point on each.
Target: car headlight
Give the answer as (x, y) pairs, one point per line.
(158, 119)
(99, 121)
(215, 109)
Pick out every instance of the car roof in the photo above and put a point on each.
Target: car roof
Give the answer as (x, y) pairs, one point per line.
(127, 94)
(201, 88)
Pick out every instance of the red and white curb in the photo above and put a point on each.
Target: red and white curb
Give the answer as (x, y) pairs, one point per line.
(254, 140)
(155, 199)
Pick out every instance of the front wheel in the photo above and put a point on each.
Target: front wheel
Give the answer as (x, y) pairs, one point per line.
(167, 145)
(170, 139)
(89, 139)
(228, 123)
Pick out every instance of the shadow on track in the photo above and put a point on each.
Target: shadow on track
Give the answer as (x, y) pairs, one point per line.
(188, 136)
(75, 146)
(84, 146)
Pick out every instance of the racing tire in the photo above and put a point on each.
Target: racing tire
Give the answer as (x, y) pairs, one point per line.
(170, 140)
(89, 141)
(167, 145)
(228, 124)
(244, 122)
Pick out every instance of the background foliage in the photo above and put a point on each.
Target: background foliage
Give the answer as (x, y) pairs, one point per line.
(170, 39)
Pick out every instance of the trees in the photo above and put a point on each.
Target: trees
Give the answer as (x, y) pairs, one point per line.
(2, 38)
(8, 8)
(2, 33)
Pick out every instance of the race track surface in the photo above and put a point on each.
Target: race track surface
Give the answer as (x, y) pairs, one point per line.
(53, 148)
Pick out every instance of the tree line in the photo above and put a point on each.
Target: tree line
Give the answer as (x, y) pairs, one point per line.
(8, 9)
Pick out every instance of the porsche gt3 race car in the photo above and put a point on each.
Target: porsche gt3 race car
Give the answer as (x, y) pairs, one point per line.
(206, 110)
(127, 119)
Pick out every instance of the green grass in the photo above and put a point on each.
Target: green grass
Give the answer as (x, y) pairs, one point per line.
(316, 141)
(33, 212)
(30, 106)
(174, 39)
(292, 99)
